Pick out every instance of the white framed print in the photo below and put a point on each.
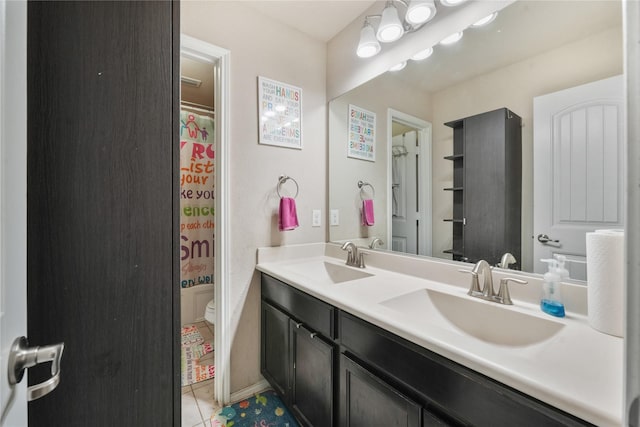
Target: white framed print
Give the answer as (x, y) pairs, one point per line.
(279, 114)
(362, 134)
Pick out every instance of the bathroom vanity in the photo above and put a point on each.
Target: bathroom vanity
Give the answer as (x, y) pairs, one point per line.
(347, 347)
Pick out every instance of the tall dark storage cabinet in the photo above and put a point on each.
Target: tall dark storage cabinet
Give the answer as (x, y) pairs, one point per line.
(487, 186)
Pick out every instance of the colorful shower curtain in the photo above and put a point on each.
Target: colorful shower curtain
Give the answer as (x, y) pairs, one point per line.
(197, 199)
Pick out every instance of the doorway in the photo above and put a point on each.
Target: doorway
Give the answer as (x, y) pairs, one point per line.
(204, 125)
(409, 183)
(576, 130)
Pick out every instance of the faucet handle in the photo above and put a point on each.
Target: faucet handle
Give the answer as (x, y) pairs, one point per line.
(361, 259)
(474, 290)
(503, 296)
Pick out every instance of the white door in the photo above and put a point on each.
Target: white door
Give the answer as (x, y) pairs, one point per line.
(578, 169)
(13, 202)
(404, 193)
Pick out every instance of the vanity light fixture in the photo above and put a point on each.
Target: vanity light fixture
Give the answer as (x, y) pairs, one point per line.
(423, 54)
(486, 20)
(453, 38)
(391, 28)
(369, 45)
(399, 66)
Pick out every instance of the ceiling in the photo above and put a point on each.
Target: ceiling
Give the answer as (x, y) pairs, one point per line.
(320, 19)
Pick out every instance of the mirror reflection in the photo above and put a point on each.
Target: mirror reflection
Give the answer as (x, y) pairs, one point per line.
(557, 66)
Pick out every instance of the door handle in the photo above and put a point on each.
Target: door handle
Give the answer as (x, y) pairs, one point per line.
(543, 238)
(23, 357)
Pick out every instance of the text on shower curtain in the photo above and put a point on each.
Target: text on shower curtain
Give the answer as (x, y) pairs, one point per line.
(197, 199)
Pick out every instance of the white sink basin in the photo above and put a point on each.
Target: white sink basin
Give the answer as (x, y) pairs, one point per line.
(486, 321)
(327, 272)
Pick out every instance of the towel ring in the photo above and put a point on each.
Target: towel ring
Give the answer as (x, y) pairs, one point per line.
(361, 185)
(281, 180)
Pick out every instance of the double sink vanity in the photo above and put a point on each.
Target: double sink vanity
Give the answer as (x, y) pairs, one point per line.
(401, 343)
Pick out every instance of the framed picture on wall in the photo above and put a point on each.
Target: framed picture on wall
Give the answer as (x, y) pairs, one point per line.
(279, 114)
(362, 134)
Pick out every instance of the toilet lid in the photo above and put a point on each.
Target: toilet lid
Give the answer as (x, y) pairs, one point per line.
(211, 304)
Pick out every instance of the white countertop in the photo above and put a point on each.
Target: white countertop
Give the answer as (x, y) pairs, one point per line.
(578, 370)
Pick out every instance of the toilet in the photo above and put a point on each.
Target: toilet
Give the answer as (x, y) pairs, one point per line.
(210, 312)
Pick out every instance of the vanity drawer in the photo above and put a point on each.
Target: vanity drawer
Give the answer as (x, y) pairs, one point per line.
(445, 386)
(312, 312)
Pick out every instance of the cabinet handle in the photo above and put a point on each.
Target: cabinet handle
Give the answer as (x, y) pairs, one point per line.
(298, 325)
(313, 335)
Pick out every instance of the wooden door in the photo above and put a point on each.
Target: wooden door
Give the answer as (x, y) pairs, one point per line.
(312, 382)
(365, 400)
(102, 241)
(274, 352)
(578, 169)
(404, 192)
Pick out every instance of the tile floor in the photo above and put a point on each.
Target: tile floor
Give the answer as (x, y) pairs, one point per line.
(197, 399)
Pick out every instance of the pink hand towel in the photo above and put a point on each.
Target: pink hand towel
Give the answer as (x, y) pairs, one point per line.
(367, 212)
(287, 218)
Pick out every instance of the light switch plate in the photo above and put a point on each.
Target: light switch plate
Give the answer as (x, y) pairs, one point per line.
(316, 218)
(334, 217)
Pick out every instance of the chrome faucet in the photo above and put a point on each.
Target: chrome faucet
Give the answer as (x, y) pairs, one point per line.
(374, 242)
(483, 267)
(354, 258)
(506, 260)
(487, 292)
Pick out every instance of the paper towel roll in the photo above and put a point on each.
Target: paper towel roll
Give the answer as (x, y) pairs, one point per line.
(605, 281)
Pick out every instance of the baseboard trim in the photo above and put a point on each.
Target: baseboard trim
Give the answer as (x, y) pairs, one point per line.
(249, 391)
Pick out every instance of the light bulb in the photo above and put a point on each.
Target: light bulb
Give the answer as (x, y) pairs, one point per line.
(399, 66)
(451, 2)
(368, 45)
(423, 54)
(420, 11)
(390, 28)
(486, 20)
(451, 39)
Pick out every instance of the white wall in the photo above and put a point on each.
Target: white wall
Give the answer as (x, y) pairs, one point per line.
(596, 57)
(376, 96)
(261, 46)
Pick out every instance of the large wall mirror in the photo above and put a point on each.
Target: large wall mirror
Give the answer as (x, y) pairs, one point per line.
(545, 53)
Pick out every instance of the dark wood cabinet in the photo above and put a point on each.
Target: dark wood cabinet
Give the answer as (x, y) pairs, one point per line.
(297, 360)
(368, 376)
(487, 186)
(274, 359)
(366, 400)
(312, 377)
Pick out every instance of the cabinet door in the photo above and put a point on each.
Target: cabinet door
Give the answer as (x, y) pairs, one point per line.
(274, 348)
(365, 400)
(312, 381)
(484, 186)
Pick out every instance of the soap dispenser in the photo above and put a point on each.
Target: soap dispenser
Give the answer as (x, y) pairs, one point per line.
(551, 301)
(561, 270)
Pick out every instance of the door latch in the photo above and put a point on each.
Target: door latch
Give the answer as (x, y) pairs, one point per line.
(23, 357)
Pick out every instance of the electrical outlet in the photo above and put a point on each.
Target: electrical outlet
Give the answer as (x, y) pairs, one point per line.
(335, 217)
(316, 218)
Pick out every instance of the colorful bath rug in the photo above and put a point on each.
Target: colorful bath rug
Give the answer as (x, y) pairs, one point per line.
(193, 349)
(264, 409)
(191, 336)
